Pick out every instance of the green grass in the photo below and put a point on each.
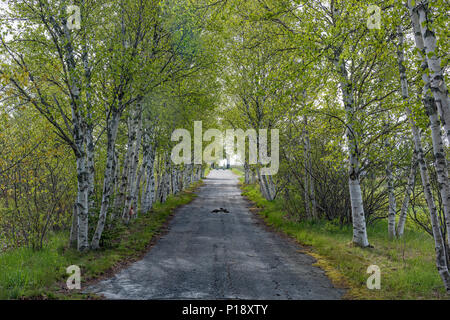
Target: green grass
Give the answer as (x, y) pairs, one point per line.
(408, 270)
(237, 171)
(29, 274)
(207, 171)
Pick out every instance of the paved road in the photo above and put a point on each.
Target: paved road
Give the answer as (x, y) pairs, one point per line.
(220, 256)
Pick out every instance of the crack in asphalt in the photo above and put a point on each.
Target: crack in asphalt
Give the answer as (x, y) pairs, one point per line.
(224, 256)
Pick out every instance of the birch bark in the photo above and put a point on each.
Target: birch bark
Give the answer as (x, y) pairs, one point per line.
(305, 182)
(392, 203)
(74, 228)
(262, 185)
(246, 173)
(120, 198)
(111, 131)
(79, 135)
(436, 75)
(203, 172)
(135, 144)
(134, 172)
(116, 173)
(89, 126)
(253, 176)
(310, 197)
(137, 189)
(405, 204)
(439, 242)
(149, 193)
(149, 167)
(358, 218)
(90, 164)
(431, 109)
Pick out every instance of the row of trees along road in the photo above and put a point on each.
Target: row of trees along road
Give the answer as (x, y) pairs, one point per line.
(89, 112)
(363, 113)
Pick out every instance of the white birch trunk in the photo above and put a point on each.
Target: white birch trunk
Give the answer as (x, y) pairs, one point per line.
(431, 109)
(311, 206)
(73, 237)
(90, 165)
(163, 184)
(173, 179)
(116, 173)
(358, 218)
(120, 198)
(186, 176)
(149, 165)
(312, 192)
(199, 172)
(164, 187)
(439, 243)
(82, 202)
(82, 173)
(135, 144)
(413, 170)
(409, 189)
(191, 174)
(137, 188)
(253, 176)
(437, 80)
(79, 136)
(159, 176)
(169, 180)
(89, 128)
(272, 187)
(108, 184)
(262, 185)
(246, 173)
(203, 172)
(392, 203)
(136, 172)
(266, 186)
(149, 193)
(306, 183)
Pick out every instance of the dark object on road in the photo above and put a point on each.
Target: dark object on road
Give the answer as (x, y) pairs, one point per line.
(220, 210)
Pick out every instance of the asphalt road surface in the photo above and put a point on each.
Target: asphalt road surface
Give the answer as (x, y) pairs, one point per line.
(220, 255)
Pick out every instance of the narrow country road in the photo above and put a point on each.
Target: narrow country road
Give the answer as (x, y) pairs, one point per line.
(221, 255)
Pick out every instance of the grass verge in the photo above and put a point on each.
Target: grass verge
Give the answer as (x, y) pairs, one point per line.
(407, 265)
(28, 274)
